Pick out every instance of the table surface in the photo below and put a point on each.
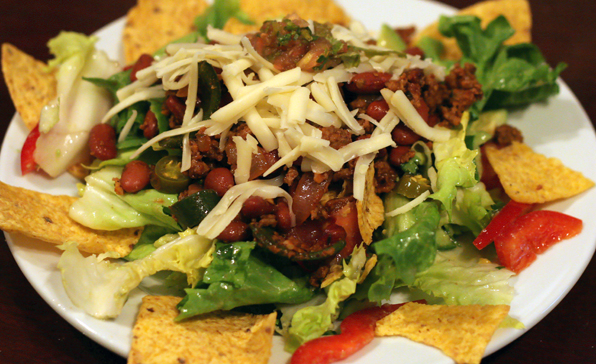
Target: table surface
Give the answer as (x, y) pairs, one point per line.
(31, 332)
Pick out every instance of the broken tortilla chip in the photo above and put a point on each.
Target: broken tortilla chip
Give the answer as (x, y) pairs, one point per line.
(218, 337)
(529, 177)
(31, 87)
(321, 11)
(152, 24)
(371, 211)
(517, 12)
(45, 217)
(461, 332)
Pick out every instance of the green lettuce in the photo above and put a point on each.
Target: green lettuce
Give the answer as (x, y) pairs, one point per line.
(102, 209)
(101, 287)
(472, 208)
(313, 321)
(455, 166)
(461, 281)
(238, 277)
(218, 14)
(510, 75)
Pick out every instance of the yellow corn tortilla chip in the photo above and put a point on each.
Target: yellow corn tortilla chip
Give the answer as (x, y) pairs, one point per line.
(517, 13)
(371, 211)
(45, 217)
(151, 24)
(321, 11)
(30, 86)
(461, 332)
(219, 337)
(529, 177)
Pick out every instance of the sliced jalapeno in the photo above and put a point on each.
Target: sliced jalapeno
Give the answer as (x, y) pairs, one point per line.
(167, 177)
(264, 238)
(412, 186)
(190, 211)
(210, 89)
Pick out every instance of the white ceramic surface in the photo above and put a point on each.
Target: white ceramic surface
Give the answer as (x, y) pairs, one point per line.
(558, 127)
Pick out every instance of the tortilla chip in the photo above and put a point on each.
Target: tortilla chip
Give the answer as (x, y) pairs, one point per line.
(371, 212)
(30, 86)
(529, 177)
(45, 217)
(517, 13)
(461, 332)
(151, 24)
(321, 11)
(219, 337)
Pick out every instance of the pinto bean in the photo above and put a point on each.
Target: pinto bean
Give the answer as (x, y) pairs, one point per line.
(235, 231)
(135, 177)
(149, 126)
(400, 155)
(256, 206)
(176, 107)
(102, 142)
(143, 62)
(219, 180)
(402, 135)
(368, 82)
(377, 109)
(284, 219)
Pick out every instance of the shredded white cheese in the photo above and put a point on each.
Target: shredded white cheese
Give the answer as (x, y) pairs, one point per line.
(410, 205)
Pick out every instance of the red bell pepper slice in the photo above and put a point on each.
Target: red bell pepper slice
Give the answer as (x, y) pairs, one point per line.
(531, 234)
(27, 162)
(502, 219)
(357, 330)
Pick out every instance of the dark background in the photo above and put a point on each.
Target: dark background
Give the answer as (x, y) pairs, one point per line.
(31, 332)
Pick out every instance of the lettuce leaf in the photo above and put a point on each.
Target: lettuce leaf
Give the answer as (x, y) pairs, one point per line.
(511, 75)
(101, 287)
(461, 281)
(218, 14)
(237, 277)
(313, 321)
(102, 209)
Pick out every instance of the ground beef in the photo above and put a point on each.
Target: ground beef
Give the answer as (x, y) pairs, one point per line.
(267, 220)
(347, 172)
(205, 154)
(337, 137)
(291, 176)
(465, 90)
(385, 177)
(507, 134)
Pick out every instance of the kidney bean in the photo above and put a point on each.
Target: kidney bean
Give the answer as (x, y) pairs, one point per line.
(335, 232)
(235, 231)
(377, 109)
(400, 155)
(368, 82)
(176, 107)
(149, 126)
(143, 62)
(402, 135)
(102, 142)
(256, 206)
(219, 180)
(135, 177)
(415, 51)
(284, 219)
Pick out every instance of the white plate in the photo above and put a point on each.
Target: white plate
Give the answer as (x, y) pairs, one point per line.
(559, 127)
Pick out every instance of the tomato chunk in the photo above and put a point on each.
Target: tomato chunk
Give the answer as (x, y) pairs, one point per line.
(357, 330)
(502, 219)
(532, 234)
(27, 162)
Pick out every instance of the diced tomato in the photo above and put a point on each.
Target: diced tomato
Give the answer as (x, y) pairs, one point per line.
(357, 330)
(27, 162)
(502, 219)
(532, 234)
(347, 218)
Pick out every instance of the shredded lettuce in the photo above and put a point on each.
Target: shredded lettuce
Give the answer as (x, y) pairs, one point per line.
(101, 208)
(101, 287)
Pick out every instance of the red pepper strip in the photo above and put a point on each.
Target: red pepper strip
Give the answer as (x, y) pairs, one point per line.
(357, 330)
(502, 219)
(532, 234)
(27, 162)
